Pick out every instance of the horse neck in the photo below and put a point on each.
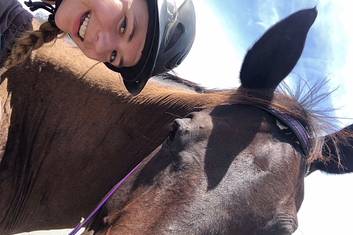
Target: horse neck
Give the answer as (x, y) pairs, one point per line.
(66, 134)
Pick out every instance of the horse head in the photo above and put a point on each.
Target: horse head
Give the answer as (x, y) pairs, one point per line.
(232, 169)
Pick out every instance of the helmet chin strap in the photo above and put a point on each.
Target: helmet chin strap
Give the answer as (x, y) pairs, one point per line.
(33, 6)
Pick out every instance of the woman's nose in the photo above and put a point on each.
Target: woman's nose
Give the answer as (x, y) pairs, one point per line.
(105, 43)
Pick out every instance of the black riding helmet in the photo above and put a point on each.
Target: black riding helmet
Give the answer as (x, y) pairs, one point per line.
(170, 35)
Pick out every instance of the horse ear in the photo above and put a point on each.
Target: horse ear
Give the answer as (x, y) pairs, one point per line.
(275, 54)
(339, 154)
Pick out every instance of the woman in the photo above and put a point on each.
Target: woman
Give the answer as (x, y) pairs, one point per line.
(137, 38)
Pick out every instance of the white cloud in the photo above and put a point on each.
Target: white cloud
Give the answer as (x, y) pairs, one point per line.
(341, 70)
(213, 60)
(268, 14)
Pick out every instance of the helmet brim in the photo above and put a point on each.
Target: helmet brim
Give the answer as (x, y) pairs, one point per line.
(136, 77)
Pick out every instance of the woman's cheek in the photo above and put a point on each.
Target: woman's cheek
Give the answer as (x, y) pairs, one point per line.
(61, 19)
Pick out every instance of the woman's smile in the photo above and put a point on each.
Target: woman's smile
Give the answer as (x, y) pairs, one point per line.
(84, 20)
(111, 31)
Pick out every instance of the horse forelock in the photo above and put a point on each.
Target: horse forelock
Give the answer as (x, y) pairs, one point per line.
(311, 102)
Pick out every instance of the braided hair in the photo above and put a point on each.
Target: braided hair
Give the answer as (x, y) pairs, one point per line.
(32, 40)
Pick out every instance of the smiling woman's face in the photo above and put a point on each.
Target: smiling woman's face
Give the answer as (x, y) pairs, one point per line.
(111, 31)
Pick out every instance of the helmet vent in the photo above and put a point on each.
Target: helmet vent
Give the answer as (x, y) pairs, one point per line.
(174, 36)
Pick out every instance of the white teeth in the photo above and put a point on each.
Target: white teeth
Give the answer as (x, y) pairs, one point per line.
(83, 27)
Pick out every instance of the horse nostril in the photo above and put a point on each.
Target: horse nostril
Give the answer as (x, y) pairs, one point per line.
(180, 128)
(282, 224)
(174, 129)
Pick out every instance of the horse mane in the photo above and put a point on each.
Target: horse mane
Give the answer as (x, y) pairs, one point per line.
(174, 79)
(320, 117)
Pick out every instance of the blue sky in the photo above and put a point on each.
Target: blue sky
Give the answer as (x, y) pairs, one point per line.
(327, 54)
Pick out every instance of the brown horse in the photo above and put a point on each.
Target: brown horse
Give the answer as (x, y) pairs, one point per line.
(231, 169)
(67, 136)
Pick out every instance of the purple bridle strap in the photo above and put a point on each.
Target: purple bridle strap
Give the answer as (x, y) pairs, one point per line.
(105, 200)
(295, 125)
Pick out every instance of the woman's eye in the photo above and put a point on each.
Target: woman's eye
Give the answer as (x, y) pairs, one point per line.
(123, 25)
(113, 56)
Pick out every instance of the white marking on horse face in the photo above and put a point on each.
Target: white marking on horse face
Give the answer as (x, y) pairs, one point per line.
(281, 126)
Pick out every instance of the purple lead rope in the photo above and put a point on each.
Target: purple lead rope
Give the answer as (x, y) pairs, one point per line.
(104, 200)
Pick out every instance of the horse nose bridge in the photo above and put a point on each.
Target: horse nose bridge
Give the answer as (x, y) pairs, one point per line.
(183, 123)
